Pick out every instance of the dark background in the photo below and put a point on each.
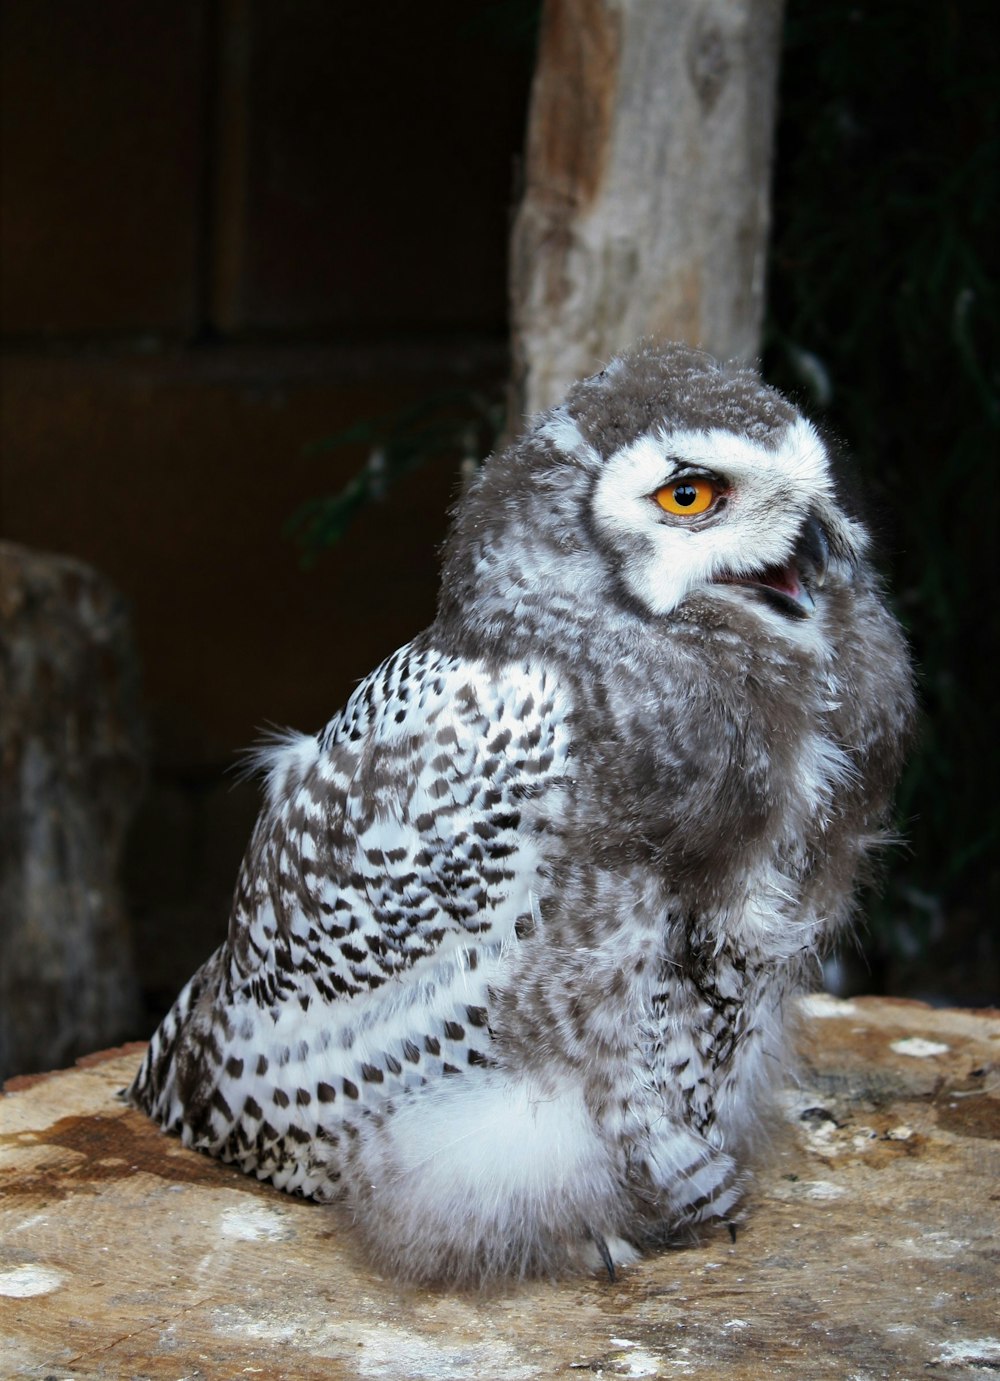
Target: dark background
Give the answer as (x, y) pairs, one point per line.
(233, 228)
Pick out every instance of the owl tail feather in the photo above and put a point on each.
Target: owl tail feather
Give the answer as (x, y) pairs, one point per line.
(155, 1087)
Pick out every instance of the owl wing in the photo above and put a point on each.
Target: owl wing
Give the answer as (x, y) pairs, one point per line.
(392, 860)
(414, 826)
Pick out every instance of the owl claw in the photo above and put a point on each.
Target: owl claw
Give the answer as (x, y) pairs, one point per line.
(732, 1232)
(604, 1253)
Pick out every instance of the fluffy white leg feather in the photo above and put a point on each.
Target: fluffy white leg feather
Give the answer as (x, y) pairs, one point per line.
(465, 1184)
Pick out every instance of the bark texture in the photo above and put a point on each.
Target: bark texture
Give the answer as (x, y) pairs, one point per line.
(71, 754)
(647, 183)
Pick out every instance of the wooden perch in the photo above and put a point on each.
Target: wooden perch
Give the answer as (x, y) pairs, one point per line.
(869, 1248)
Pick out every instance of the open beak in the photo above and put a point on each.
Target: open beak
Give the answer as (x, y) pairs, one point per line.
(790, 588)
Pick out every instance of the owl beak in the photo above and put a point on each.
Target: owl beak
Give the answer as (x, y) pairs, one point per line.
(806, 571)
(812, 553)
(784, 588)
(789, 588)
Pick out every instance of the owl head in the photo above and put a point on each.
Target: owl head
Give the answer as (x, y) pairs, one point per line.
(666, 483)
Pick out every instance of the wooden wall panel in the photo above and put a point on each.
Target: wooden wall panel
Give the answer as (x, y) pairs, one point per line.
(101, 159)
(376, 158)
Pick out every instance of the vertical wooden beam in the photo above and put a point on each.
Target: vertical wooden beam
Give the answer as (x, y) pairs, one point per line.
(646, 185)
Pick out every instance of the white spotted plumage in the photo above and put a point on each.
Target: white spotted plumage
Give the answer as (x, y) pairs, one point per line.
(513, 939)
(427, 779)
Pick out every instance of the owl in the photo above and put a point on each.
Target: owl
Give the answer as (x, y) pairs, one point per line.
(515, 935)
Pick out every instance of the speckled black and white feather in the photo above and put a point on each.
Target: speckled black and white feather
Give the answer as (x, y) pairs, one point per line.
(514, 937)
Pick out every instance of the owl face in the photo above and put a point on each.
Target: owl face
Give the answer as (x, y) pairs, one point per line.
(664, 477)
(718, 512)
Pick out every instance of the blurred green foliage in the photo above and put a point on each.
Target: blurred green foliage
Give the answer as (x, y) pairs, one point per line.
(458, 424)
(883, 314)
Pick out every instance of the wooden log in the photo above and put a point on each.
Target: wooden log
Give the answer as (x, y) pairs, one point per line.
(869, 1248)
(647, 185)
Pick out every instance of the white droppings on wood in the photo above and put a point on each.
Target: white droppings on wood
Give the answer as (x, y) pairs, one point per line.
(970, 1352)
(919, 1048)
(253, 1224)
(35, 1220)
(823, 1189)
(933, 1246)
(384, 1350)
(639, 1363)
(826, 1005)
(901, 1133)
(394, 1352)
(24, 1281)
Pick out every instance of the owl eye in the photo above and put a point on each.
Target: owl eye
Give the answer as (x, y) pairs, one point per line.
(687, 497)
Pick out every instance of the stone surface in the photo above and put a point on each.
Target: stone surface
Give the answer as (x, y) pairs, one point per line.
(869, 1249)
(71, 767)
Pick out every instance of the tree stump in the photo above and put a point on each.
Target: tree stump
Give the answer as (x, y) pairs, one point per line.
(868, 1250)
(71, 766)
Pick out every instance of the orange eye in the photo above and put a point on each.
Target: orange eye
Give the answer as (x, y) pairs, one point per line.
(686, 498)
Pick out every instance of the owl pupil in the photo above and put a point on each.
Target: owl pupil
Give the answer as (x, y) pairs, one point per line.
(685, 495)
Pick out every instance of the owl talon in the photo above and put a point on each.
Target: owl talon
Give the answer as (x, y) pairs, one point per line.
(604, 1253)
(732, 1232)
